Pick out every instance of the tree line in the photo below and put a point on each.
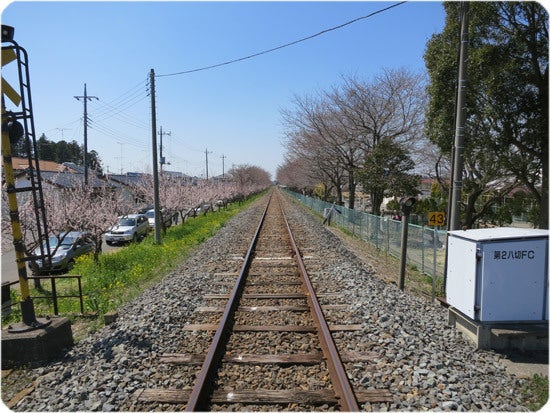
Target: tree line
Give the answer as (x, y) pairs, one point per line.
(359, 132)
(95, 209)
(60, 152)
(384, 132)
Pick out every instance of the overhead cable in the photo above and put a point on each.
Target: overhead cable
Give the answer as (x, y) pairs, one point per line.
(119, 104)
(284, 45)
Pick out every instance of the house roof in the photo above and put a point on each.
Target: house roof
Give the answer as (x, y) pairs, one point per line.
(223, 177)
(130, 179)
(74, 167)
(178, 174)
(22, 164)
(72, 180)
(136, 178)
(67, 180)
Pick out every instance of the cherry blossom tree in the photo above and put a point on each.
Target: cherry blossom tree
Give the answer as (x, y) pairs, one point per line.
(250, 179)
(73, 207)
(87, 209)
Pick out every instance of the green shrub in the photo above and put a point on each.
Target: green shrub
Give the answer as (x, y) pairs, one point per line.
(536, 390)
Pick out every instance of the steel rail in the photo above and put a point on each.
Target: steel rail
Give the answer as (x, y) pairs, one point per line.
(342, 387)
(199, 395)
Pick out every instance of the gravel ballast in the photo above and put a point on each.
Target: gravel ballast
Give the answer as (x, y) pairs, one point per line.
(425, 364)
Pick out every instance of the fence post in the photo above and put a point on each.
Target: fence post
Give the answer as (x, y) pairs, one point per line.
(423, 257)
(406, 206)
(80, 294)
(374, 229)
(6, 299)
(404, 236)
(361, 225)
(434, 274)
(54, 295)
(388, 236)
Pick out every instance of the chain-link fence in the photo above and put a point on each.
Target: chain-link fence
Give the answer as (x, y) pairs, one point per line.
(425, 246)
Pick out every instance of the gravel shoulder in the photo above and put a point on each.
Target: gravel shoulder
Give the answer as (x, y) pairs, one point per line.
(520, 364)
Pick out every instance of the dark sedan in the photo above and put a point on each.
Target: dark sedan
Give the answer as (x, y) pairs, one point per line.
(65, 248)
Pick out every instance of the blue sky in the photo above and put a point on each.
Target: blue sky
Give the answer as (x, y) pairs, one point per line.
(234, 110)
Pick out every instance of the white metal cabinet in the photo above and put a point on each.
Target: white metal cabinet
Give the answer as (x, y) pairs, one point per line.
(499, 274)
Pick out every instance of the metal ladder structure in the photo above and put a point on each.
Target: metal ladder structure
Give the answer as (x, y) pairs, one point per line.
(18, 128)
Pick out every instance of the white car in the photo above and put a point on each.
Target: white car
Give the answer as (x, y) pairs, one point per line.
(129, 228)
(164, 215)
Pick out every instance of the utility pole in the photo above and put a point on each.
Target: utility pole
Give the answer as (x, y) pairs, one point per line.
(455, 193)
(458, 159)
(162, 160)
(223, 166)
(155, 160)
(85, 98)
(206, 153)
(120, 143)
(62, 129)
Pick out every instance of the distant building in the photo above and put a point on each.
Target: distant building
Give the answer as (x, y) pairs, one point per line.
(21, 166)
(185, 178)
(222, 178)
(55, 176)
(128, 182)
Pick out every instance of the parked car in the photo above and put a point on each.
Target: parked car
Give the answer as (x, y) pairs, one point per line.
(65, 248)
(204, 208)
(129, 228)
(166, 216)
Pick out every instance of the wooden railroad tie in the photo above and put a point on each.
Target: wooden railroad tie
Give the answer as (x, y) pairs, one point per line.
(272, 296)
(302, 358)
(279, 328)
(265, 308)
(316, 397)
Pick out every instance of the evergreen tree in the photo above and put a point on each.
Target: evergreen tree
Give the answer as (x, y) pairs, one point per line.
(64, 151)
(47, 149)
(386, 172)
(506, 106)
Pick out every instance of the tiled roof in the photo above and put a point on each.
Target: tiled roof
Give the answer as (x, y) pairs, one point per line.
(71, 180)
(21, 164)
(128, 180)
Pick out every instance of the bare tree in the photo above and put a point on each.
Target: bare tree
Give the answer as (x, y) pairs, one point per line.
(318, 163)
(390, 107)
(341, 126)
(249, 178)
(292, 174)
(315, 132)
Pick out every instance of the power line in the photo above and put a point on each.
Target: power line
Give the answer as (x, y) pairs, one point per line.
(128, 95)
(283, 45)
(106, 130)
(104, 107)
(107, 108)
(118, 112)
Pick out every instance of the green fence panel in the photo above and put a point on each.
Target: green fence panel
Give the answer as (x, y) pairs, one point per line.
(425, 246)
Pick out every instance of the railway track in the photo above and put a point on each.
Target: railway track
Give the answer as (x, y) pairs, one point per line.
(267, 342)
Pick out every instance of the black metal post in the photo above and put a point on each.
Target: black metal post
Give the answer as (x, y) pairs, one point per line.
(406, 207)
(404, 238)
